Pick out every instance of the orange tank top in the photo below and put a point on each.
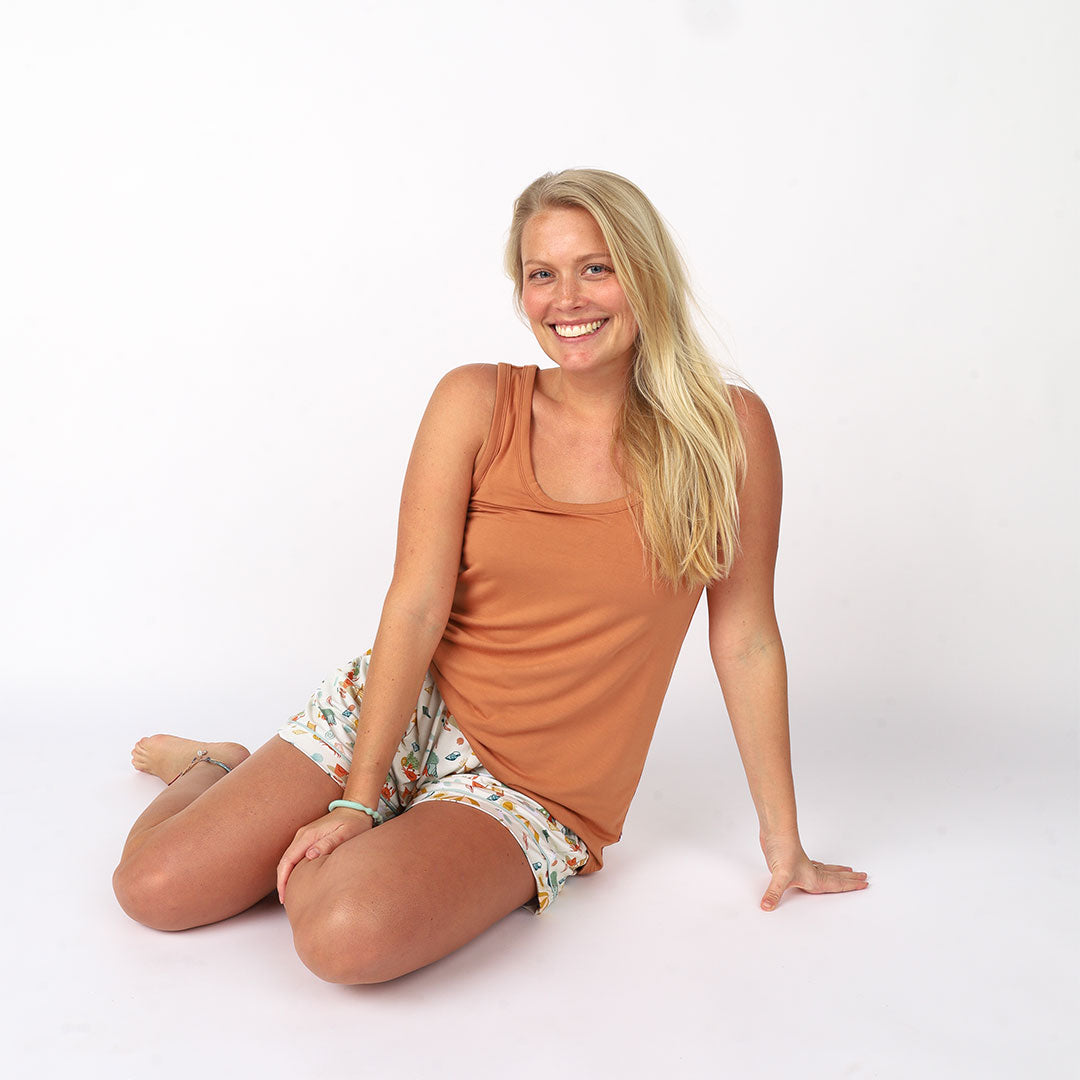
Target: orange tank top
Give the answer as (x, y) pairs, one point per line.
(559, 647)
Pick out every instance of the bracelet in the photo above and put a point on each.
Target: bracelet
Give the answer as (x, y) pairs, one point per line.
(200, 756)
(378, 818)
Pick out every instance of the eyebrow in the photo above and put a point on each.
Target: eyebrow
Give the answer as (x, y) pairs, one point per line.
(592, 257)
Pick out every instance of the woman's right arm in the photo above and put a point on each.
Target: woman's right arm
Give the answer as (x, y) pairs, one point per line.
(431, 525)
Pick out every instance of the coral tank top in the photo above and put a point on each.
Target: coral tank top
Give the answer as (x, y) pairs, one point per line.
(559, 647)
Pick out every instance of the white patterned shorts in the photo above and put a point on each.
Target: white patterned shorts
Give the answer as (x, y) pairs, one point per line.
(434, 761)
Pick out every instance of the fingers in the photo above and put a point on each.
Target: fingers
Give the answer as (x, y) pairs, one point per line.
(838, 879)
(293, 854)
(307, 844)
(316, 840)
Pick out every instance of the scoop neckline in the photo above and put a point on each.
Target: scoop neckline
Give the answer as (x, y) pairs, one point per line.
(525, 461)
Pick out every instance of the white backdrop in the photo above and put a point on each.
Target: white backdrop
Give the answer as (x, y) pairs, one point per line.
(240, 242)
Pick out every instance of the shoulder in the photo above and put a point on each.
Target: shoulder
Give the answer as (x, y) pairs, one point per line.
(469, 383)
(754, 419)
(762, 482)
(474, 377)
(470, 387)
(463, 401)
(756, 426)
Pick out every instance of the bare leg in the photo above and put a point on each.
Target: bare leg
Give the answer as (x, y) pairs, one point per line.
(394, 899)
(406, 893)
(166, 756)
(208, 846)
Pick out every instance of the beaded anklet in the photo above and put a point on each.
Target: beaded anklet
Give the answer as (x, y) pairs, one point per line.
(200, 755)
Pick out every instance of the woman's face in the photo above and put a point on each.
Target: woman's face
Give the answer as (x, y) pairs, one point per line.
(575, 305)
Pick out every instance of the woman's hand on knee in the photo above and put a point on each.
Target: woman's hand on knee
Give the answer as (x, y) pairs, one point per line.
(318, 839)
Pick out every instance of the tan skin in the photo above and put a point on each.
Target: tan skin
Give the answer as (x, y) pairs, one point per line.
(367, 905)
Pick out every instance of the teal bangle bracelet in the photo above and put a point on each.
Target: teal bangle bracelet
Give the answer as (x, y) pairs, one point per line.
(378, 818)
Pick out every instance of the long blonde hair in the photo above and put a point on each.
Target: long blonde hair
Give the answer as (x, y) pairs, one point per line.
(682, 448)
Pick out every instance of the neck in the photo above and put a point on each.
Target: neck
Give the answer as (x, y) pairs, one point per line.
(594, 398)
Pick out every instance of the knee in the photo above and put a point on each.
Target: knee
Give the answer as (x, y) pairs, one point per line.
(146, 890)
(344, 942)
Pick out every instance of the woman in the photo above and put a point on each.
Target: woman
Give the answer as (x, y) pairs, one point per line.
(557, 528)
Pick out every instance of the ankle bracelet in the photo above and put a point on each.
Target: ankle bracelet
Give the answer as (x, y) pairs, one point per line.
(200, 756)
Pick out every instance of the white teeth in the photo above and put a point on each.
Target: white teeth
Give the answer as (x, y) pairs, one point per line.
(577, 331)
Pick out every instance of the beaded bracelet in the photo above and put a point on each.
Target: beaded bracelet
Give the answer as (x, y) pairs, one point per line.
(378, 818)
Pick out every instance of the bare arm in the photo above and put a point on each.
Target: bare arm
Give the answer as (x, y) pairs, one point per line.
(431, 525)
(748, 656)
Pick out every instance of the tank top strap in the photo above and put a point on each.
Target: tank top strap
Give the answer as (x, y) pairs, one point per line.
(513, 394)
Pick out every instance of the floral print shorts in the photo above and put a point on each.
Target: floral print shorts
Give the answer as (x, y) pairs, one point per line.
(433, 762)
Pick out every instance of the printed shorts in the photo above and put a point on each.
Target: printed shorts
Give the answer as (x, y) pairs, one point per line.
(433, 762)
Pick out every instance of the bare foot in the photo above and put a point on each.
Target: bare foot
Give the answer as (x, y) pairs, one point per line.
(166, 756)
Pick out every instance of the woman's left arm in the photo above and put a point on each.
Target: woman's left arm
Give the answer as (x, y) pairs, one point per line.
(748, 655)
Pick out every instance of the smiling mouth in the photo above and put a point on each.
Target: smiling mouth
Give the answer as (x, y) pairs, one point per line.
(577, 330)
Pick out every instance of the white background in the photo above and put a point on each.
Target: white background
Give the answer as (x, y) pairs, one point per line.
(240, 242)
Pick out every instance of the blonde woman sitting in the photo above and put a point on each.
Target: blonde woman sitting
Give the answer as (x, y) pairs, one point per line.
(557, 529)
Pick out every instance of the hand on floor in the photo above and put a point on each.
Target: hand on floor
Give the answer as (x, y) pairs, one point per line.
(792, 868)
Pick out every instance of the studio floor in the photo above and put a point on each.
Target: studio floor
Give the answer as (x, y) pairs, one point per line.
(959, 961)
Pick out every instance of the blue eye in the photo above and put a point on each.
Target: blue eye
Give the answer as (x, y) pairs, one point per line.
(597, 267)
(537, 273)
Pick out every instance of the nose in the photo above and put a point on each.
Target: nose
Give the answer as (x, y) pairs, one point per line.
(570, 291)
